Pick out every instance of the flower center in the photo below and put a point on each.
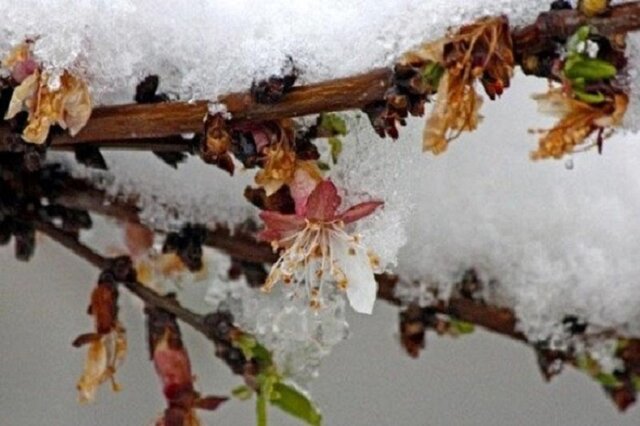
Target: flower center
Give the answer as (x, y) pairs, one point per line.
(313, 257)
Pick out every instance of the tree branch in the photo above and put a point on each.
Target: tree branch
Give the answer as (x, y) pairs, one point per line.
(127, 126)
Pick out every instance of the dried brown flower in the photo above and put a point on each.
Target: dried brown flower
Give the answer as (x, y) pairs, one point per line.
(20, 62)
(107, 345)
(68, 105)
(217, 144)
(479, 51)
(282, 165)
(578, 121)
(173, 367)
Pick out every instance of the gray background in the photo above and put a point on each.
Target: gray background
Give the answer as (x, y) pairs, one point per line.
(481, 379)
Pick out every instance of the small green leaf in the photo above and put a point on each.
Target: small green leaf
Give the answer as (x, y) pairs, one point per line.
(296, 404)
(432, 73)
(336, 148)
(462, 327)
(590, 98)
(333, 124)
(590, 69)
(581, 35)
(636, 382)
(242, 392)
(608, 380)
(262, 354)
(246, 343)
(323, 166)
(582, 362)
(252, 349)
(588, 365)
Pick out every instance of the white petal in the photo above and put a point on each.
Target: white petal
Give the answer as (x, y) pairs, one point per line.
(362, 287)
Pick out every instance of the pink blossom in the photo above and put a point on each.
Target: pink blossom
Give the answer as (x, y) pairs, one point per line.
(317, 249)
(320, 206)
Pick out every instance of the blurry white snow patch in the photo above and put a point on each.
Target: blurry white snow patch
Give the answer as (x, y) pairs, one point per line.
(196, 192)
(557, 241)
(201, 49)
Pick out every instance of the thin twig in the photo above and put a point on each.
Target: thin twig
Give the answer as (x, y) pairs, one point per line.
(149, 296)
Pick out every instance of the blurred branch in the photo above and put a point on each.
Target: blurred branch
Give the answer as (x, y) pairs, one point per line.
(244, 246)
(78, 194)
(208, 325)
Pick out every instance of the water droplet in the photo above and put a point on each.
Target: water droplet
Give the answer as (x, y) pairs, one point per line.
(569, 164)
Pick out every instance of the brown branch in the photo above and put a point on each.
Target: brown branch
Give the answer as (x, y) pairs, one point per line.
(243, 246)
(619, 19)
(123, 126)
(499, 320)
(216, 327)
(495, 319)
(72, 243)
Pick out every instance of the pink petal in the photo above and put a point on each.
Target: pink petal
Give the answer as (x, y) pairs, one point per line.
(277, 225)
(23, 69)
(261, 139)
(359, 211)
(323, 202)
(301, 187)
(138, 239)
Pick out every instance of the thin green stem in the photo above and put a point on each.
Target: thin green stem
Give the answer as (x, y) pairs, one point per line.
(261, 408)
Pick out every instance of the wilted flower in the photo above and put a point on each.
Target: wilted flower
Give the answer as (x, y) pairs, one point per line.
(68, 106)
(172, 364)
(216, 145)
(479, 51)
(20, 62)
(283, 167)
(578, 121)
(107, 345)
(455, 111)
(318, 250)
(105, 354)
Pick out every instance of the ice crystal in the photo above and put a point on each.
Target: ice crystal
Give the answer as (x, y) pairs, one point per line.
(299, 336)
